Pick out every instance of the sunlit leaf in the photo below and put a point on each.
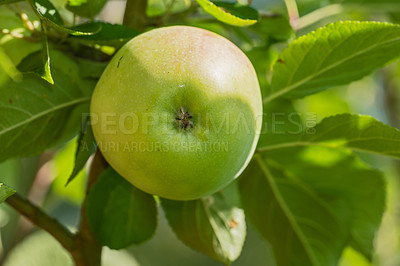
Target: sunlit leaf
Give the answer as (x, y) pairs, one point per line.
(355, 132)
(333, 55)
(230, 13)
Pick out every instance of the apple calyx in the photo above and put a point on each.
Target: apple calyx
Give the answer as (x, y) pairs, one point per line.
(183, 119)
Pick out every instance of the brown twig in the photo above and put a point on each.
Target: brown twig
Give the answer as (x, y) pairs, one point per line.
(83, 246)
(89, 246)
(42, 220)
(135, 14)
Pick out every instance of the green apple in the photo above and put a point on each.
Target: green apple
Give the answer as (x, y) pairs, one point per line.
(177, 112)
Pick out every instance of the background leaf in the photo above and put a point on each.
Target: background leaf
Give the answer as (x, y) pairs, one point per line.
(302, 229)
(337, 54)
(120, 214)
(62, 166)
(110, 34)
(86, 8)
(334, 176)
(37, 115)
(230, 13)
(8, 67)
(355, 132)
(211, 225)
(90, 69)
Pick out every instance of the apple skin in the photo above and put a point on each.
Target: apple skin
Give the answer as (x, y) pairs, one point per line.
(136, 106)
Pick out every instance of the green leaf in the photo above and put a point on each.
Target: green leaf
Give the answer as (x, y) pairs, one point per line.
(5, 192)
(333, 55)
(211, 225)
(355, 132)
(120, 214)
(230, 13)
(38, 62)
(302, 229)
(91, 69)
(36, 115)
(281, 124)
(274, 28)
(86, 8)
(50, 16)
(110, 34)
(337, 175)
(85, 147)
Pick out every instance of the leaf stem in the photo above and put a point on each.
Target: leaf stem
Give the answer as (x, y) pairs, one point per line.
(319, 14)
(293, 13)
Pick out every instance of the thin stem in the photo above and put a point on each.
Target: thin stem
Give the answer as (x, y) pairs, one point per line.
(135, 14)
(42, 220)
(320, 14)
(293, 13)
(336, 9)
